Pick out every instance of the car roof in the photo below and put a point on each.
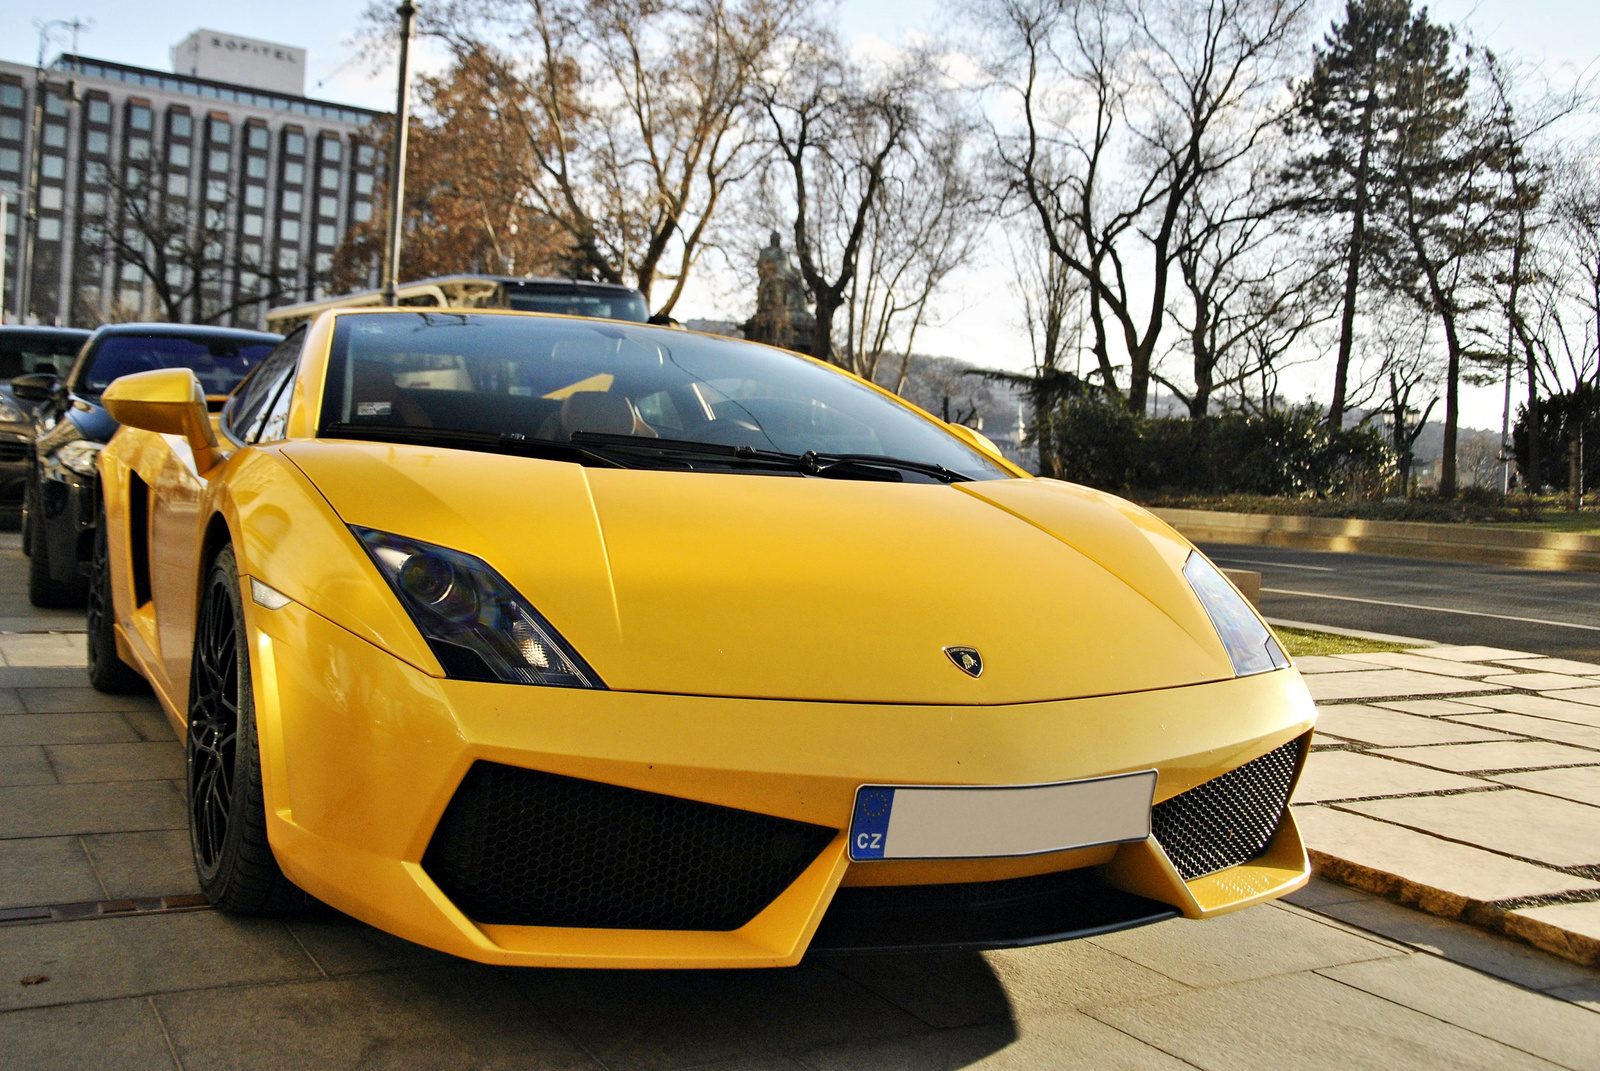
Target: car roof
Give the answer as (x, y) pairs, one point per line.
(162, 330)
(43, 331)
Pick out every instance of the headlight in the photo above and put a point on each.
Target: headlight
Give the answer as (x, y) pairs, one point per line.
(10, 414)
(78, 455)
(1250, 645)
(478, 626)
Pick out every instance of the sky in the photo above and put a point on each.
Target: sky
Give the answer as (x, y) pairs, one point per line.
(979, 316)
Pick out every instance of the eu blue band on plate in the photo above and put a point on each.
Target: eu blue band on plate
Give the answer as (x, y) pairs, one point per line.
(870, 827)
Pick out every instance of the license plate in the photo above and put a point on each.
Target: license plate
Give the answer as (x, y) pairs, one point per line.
(961, 822)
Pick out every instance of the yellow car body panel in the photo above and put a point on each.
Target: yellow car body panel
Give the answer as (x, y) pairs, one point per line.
(768, 644)
(782, 588)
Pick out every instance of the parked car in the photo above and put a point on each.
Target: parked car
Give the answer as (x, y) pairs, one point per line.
(70, 427)
(24, 350)
(552, 641)
(567, 297)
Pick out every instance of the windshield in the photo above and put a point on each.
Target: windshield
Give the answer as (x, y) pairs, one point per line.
(598, 304)
(22, 352)
(220, 362)
(533, 378)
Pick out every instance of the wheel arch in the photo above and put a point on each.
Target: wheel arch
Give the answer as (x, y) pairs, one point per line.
(217, 535)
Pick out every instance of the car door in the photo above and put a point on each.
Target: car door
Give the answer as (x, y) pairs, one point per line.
(176, 528)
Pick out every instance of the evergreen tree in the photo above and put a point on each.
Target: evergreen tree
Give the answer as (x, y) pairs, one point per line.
(1445, 206)
(1347, 106)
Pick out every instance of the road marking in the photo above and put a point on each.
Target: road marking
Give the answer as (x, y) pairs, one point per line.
(1276, 565)
(1435, 609)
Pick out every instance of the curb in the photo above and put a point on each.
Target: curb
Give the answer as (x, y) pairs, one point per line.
(1517, 548)
(1577, 947)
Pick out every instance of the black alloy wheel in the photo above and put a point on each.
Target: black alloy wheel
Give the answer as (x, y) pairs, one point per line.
(227, 811)
(107, 671)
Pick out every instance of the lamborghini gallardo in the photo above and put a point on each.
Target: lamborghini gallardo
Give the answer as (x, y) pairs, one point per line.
(563, 642)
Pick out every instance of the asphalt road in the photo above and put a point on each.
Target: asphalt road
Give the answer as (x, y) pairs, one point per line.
(1552, 613)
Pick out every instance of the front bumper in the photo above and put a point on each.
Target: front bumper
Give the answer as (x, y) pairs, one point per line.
(16, 448)
(64, 528)
(363, 754)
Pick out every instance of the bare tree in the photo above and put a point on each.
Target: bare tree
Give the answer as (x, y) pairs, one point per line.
(1400, 378)
(1253, 287)
(1054, 314)
(837, 133)
(924, 226)
(1525, 109)
(180, 250)
(635, 115)
(467, 207)
(1125, 107)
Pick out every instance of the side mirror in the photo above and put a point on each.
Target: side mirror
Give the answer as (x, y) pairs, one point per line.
(36, 386)
(169, 401)
(975, 439)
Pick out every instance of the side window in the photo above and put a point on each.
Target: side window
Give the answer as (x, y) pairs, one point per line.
(275, 418)
(256, 393)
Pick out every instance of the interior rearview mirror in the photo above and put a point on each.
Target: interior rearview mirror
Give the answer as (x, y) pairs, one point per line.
(169, 401)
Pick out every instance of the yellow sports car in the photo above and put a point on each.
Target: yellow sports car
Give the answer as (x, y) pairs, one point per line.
(566, 642)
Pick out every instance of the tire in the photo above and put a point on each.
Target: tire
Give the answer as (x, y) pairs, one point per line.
(107, 671)
(44, 591)
(227, 811)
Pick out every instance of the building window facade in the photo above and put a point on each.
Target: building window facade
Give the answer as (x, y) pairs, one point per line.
(265, 190)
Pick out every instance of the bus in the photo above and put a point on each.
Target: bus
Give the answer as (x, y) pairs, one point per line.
(570, 297)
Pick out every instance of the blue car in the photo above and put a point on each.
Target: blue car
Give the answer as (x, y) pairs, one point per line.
(60, 504)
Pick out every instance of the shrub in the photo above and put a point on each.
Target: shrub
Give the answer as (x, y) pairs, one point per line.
(1286, 452)
(1560, 415)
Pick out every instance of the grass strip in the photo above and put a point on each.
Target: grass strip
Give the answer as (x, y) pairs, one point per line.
(1302, 643)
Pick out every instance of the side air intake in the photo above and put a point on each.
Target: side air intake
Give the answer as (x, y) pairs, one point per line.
(1229, 819)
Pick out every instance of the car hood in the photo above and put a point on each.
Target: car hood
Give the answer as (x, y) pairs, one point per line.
(809, 589)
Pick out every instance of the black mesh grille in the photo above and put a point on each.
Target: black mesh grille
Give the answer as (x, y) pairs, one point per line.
(1229, 819)
(520, 847)
(11, 450)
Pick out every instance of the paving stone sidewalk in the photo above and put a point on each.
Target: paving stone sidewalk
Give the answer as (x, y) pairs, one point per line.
(1464, 781)
(111, 976)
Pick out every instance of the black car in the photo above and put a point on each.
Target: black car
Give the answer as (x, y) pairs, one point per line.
(24, 350)
(61, 502)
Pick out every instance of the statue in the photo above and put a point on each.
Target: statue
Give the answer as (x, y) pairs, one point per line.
(782, 317)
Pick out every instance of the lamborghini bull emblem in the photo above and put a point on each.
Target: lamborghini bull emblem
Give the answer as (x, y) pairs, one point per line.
(967, 660)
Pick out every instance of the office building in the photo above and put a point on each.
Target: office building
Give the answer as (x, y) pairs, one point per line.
(265, 181)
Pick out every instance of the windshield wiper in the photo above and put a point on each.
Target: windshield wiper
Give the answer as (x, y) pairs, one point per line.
(811, 463)
(487, 441)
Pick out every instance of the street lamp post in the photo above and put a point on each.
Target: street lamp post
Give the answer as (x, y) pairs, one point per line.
(397, 162)
(30, 218)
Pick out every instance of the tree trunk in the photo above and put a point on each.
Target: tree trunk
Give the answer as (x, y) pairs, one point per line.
(1204, 364)
(1352, 271)
(1452, 408)
(822, 340)
(1138, 379)
(1533, 479)
(1347, 321)
(1102, 353)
